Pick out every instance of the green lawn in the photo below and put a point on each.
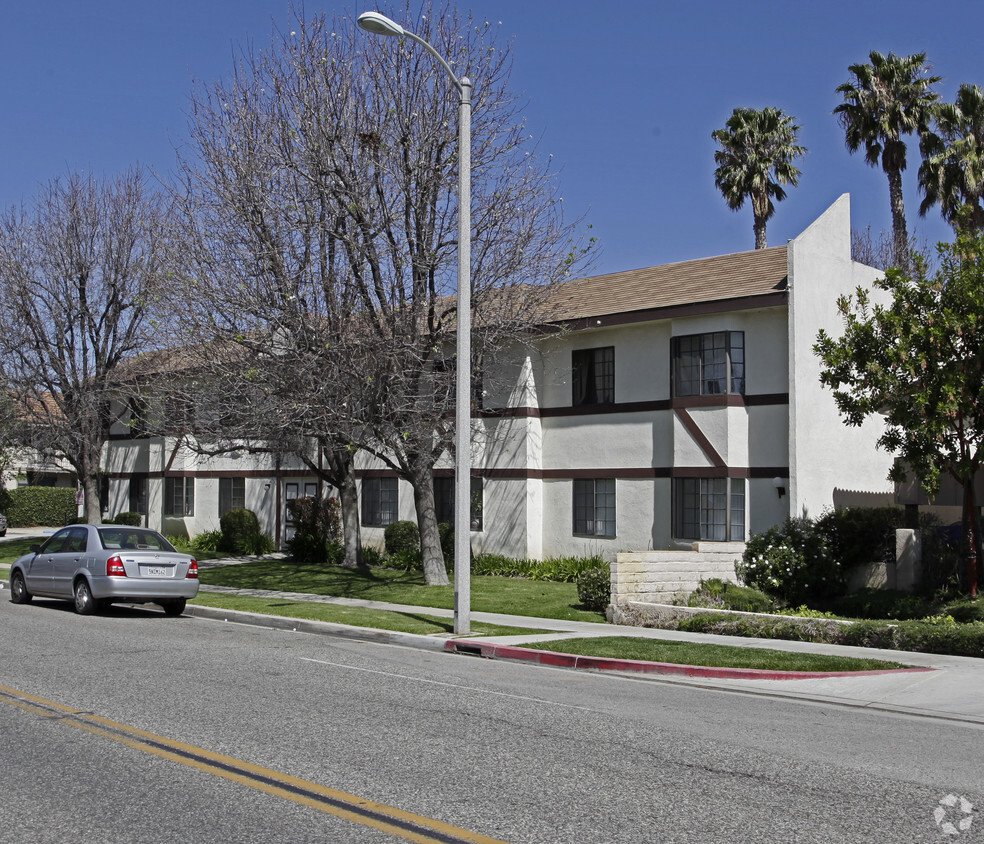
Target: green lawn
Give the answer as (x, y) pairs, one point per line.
(404, 622)
(14, 548)
(510, 595)
(691, 653)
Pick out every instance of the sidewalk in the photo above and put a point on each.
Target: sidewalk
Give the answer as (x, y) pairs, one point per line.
(944, 687)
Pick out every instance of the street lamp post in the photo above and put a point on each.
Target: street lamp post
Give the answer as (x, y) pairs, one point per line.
(379, 24)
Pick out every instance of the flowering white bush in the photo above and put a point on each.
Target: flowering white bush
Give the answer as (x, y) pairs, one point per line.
(792, 563)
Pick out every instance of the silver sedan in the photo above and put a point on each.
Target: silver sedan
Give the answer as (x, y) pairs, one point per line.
(97, 565)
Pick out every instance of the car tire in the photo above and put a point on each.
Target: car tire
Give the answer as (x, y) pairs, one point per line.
(85, 604)
(18, 589)
(174, 606)
(3, 532)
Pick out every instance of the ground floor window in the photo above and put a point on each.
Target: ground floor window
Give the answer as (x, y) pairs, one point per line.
(380, 501)
(179, 496)
(138, 495)
(444, 501)
(711, 509)
(232, 494)
(594, 507)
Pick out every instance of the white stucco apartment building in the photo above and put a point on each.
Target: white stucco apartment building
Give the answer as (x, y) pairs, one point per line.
(662, 415)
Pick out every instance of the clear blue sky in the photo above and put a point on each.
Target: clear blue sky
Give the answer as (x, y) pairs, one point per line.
(624, 94)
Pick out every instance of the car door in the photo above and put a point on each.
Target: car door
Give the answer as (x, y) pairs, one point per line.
(66, 561)
(39, 571)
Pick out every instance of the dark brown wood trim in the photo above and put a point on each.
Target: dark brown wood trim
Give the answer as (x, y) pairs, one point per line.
(700, 438)
(655, 406)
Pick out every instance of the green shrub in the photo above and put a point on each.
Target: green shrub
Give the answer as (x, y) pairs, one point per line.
(446, 532)
(594, 588)
(209, 540)
(128, 518)
(719, 593)
(31, 506)
(792, 563)
(371, 556)
(334, 553)
(926, 636)
(881, 604)
(317, 525)
(401, 537)
(241, 533)
(499, 565)
(404, 561)
(966, 610)
(307, 548)
(861, 535)
(564, 569)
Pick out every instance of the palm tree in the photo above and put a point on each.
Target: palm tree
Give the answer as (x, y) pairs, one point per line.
(755, 158)
(952, 172)
(885, 101)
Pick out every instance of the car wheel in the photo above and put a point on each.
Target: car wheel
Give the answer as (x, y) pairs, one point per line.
(176, 606)
(18, 589)
(85, 604)
(3, 532)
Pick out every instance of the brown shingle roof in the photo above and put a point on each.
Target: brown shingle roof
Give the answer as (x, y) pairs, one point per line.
(756, 273)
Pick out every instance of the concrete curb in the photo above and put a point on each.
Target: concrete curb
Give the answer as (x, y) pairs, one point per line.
(490, 650)
(319, 628)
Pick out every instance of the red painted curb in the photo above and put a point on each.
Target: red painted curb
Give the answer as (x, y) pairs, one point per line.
(489, 650)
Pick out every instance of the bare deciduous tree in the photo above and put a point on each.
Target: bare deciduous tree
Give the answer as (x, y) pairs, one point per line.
(322, 212)
(80, 276)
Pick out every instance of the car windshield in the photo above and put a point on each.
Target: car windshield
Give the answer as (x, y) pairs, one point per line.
(126, 538)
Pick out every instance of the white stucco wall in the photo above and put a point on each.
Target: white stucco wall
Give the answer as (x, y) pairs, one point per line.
(825, 454)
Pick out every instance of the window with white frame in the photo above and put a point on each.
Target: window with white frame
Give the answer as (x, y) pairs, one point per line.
(594, 506)
(709, 509)
(179, 496)
(380, 501)
(593, 376)
(709, 364)
(232, 494)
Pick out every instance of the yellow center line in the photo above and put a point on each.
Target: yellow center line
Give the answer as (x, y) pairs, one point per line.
(380, 816)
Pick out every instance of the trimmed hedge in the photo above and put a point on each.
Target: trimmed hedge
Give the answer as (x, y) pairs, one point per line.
(594, 588)
(938, 635)
(31, 506)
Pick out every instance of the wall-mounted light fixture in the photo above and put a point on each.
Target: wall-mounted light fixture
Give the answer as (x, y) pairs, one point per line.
(780, 486)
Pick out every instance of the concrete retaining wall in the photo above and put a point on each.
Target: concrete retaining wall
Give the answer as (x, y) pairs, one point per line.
(660, 577)
(657, 577)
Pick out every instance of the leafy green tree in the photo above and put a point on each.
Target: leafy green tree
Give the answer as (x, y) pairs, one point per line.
(918, 361)
(755, 159)
(884, 101)
(952, 172)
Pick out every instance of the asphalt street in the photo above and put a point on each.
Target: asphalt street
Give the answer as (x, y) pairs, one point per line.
(508, 750)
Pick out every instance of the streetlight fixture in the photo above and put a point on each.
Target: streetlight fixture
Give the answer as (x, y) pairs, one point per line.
(379, 24)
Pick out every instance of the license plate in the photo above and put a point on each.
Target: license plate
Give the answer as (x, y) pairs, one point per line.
(155, 571)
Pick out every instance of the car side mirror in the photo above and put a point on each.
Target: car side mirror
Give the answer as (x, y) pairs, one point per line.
(34, 549)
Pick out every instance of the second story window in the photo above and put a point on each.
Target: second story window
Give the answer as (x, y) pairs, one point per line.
(709, 364)
(593, 376)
